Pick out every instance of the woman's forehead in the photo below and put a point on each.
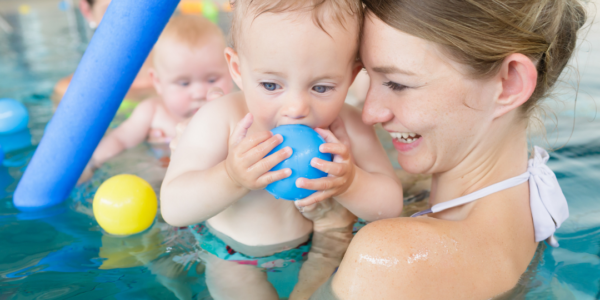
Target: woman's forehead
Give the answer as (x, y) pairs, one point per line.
(390, 50)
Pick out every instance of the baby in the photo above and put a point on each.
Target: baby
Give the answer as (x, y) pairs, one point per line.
(188, 61)
(294, 62)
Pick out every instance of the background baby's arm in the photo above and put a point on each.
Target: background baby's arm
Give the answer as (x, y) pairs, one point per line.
(129, 134)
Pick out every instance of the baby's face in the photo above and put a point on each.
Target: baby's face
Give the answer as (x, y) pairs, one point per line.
(183, 75)
(292, 72)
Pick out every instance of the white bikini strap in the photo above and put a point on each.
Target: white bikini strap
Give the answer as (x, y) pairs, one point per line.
(476, 195)
(548, 204)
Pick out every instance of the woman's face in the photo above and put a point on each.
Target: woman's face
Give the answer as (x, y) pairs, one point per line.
(435, 113)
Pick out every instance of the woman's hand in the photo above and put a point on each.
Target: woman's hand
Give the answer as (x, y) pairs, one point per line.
(341, 170)
(246, 163)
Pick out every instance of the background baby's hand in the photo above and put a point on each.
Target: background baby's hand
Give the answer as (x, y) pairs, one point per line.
(246, 163)
(341, 170)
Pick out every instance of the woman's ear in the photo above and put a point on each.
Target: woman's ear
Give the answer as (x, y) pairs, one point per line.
(233, 62)
(155, 80)
(519, 79)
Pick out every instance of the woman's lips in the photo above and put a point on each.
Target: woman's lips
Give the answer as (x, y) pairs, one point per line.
(404, 146)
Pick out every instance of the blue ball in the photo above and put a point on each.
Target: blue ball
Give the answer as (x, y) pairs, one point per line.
(13, 116)
(305, 143)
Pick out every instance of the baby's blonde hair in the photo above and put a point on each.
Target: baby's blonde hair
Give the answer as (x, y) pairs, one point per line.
(188, 30)
(321, 10)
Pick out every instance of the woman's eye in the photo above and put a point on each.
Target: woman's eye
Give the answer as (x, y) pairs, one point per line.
(322, 88)
(395, 86)
(269, 86)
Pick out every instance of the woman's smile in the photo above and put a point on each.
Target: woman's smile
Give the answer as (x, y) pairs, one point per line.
(405, 141)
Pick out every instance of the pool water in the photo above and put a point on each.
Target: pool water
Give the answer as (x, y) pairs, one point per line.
(62, 253)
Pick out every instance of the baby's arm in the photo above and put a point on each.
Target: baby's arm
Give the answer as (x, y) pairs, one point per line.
(364, 180)
(212, 169)
(129, 134)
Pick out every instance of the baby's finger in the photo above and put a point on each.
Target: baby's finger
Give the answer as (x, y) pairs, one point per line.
(261, 150)
(266, 164)
(254, 140)
(319, 184)
(214, 93)
(241, 129)
(332, 168)
(271, 177)
(327, 135)
(336, 149)
(306, 210)
(314, 198)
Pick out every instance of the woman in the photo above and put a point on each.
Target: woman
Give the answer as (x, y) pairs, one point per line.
(455, 83)
(93, 12)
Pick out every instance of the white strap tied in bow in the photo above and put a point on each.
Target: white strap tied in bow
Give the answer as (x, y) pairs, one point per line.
(548, 204)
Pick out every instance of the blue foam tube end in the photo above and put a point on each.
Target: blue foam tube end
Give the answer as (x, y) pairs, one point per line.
(115, 55)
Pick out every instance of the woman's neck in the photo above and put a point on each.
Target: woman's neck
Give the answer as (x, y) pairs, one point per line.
(493, 159)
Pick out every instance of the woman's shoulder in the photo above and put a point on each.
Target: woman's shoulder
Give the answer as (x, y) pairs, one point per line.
(422, 258)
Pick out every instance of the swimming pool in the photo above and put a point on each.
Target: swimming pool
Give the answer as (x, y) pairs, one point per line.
(63, 254)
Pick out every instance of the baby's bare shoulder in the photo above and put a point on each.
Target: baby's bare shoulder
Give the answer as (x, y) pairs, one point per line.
(229, 108)
(352, 118)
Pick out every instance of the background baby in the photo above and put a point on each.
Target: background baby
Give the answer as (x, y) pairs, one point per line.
(294, 62)
(188, 61)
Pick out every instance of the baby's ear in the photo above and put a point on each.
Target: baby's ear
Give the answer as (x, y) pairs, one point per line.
(155, 80)
(233, 62)
(358, 66)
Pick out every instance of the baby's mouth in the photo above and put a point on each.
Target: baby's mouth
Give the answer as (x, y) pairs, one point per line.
(405, 137)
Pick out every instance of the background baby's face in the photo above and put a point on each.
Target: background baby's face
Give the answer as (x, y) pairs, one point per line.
(183, 75)
(293, 72)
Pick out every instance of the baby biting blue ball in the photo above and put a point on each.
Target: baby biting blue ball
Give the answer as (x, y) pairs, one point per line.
(305, 143)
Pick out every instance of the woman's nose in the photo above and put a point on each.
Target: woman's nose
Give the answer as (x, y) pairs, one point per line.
(375, 110)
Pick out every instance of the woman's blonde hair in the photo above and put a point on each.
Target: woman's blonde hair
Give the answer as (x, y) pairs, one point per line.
(482, 33)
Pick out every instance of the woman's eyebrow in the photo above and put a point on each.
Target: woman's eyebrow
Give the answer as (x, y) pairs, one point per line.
(392, 70)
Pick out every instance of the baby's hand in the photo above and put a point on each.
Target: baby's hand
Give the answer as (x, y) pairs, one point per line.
(341, 170)
(88, 172)
(246, 163)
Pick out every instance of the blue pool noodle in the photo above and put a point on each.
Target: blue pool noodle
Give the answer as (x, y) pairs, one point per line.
(113, 58)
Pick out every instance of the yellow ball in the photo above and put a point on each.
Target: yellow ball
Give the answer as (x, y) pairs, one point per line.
(125, 204)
